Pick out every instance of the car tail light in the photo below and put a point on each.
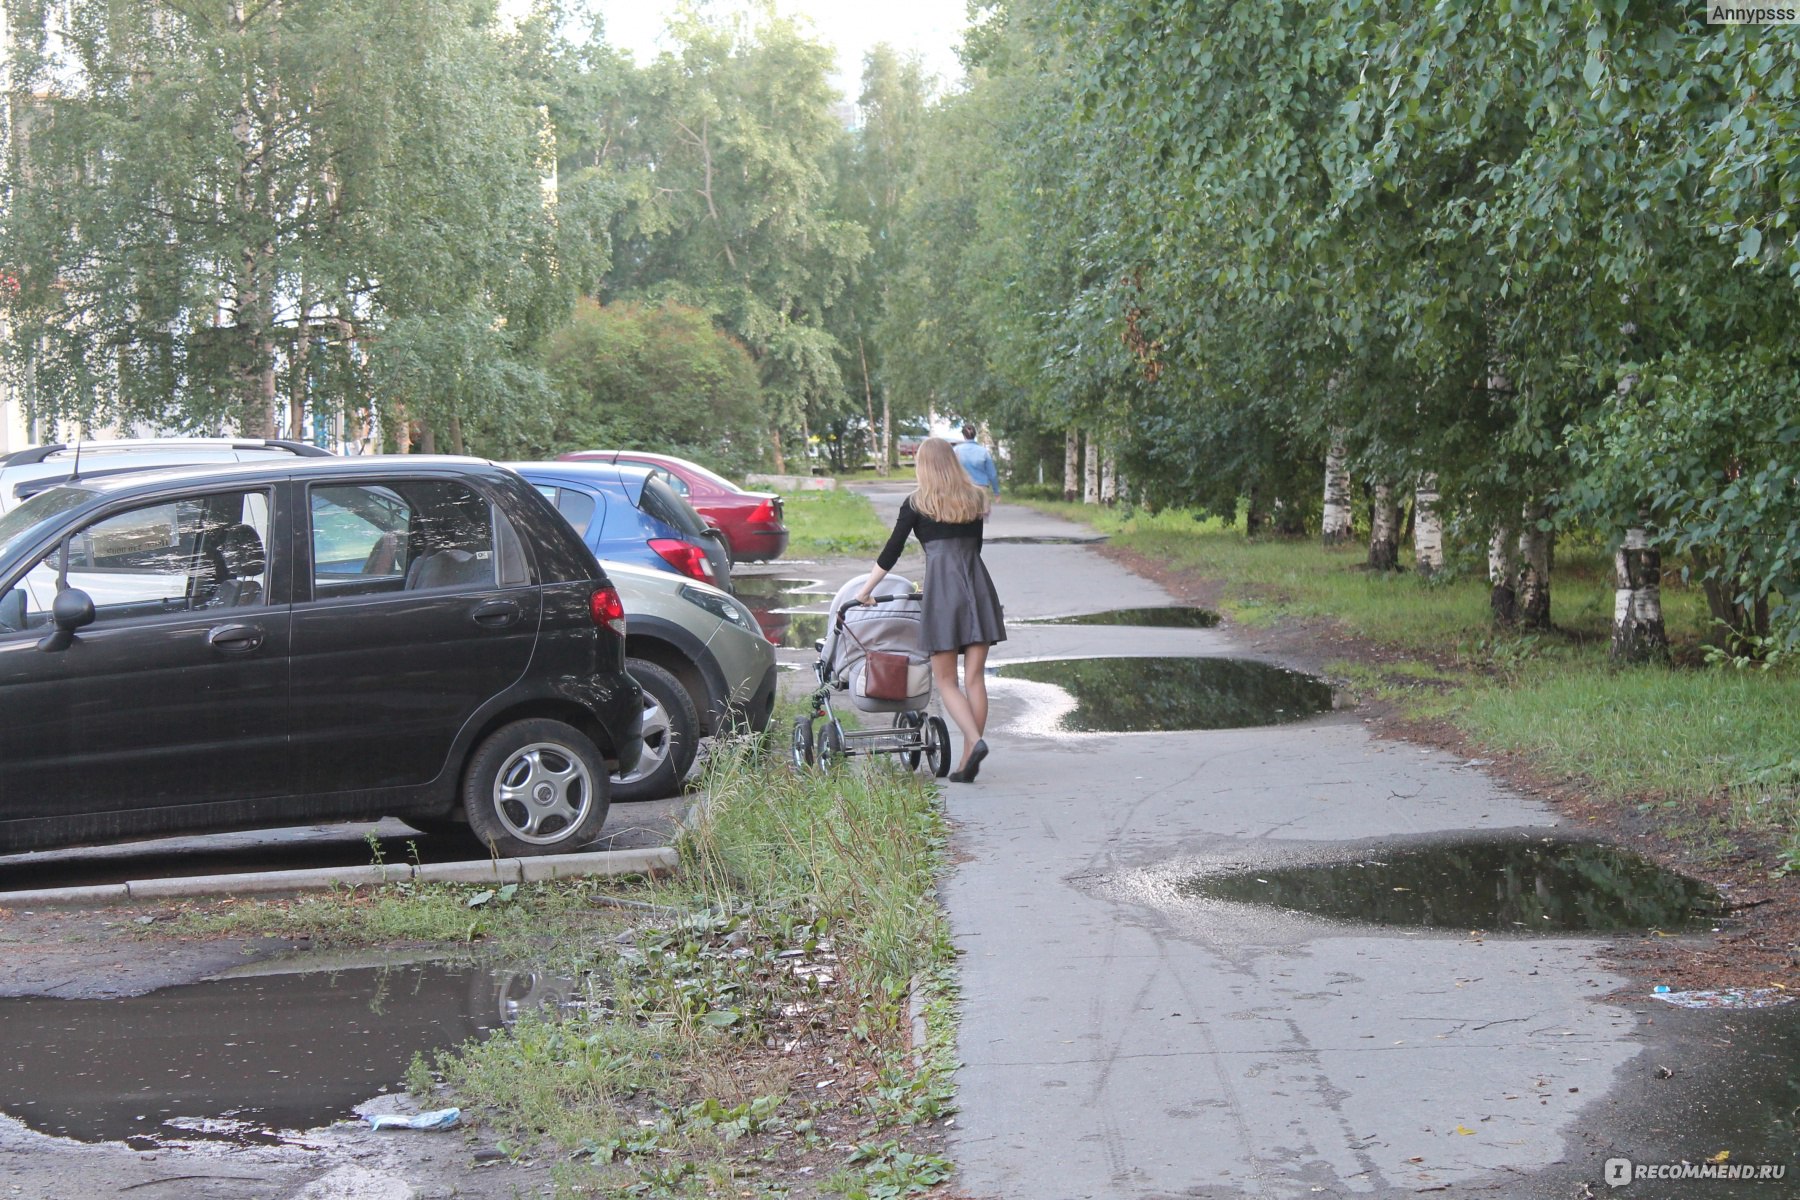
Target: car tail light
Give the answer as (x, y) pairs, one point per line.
(608, 609)
(685, 557)
(766, 513)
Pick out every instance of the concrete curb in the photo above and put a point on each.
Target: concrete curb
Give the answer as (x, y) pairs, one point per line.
(659, 861)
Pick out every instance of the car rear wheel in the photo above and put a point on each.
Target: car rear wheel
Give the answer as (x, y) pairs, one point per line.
(536, 787)
(671, 736)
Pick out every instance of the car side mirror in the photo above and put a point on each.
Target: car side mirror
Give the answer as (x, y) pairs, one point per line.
(71, 610)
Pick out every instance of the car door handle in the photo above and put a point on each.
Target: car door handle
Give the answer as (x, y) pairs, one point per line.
(235, 639)
(496, 614)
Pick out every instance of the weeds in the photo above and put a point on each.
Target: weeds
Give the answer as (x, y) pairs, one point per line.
(762, 1028)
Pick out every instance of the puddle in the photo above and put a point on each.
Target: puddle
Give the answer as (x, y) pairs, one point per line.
(1136, 695)
(1167, 617)
(1733, 1087)
(246, 1058)
(774, 600)
(1525, 886)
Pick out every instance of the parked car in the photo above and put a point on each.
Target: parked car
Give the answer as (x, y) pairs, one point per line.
(24, 473)
(298, 640)
(704, 666)
(631, 514)
(751, 521)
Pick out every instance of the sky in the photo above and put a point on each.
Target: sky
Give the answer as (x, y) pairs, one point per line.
(852, 27)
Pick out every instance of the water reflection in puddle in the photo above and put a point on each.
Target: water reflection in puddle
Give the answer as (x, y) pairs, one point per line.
(773, 601)
(1136, 695)
(242, 1059)
(1535, 886)
(1166, 617)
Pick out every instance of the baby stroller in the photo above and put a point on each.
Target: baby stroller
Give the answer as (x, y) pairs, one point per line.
(890, 625)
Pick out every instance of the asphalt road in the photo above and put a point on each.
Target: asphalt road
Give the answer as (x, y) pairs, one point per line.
(1119, 1040)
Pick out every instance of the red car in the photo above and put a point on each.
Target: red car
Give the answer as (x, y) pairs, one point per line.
(751, 521)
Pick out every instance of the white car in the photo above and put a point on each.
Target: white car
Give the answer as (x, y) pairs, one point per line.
(24, 473)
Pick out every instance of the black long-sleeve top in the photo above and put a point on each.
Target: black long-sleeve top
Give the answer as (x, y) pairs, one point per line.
(929, 529)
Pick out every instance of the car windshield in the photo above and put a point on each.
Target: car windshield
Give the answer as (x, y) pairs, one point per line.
(17, 525)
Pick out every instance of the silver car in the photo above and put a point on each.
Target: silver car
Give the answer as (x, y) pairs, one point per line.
(703, 663)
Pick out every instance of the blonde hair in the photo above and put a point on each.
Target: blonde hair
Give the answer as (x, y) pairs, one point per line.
(945, 491)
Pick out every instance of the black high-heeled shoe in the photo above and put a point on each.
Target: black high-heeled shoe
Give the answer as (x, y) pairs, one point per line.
(975, 756)
(957, 777)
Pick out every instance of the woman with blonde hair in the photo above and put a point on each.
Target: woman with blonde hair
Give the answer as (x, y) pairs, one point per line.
(962, 613)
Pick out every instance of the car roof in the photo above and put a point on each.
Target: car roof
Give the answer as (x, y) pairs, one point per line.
(579, 468)
(158, 478)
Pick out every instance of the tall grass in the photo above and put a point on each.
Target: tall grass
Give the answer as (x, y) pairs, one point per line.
(858, 846)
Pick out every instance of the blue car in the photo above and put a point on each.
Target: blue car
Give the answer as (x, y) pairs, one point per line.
(629, 514)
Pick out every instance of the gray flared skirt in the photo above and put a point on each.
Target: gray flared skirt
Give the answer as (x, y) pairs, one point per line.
(961, 606)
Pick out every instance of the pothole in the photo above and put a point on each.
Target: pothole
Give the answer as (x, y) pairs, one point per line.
(774, 600)
(247, 1059)
(1537, 885)
(1165, 617)
(1140, 695)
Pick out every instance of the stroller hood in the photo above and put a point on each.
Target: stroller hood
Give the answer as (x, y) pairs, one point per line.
(891, 626)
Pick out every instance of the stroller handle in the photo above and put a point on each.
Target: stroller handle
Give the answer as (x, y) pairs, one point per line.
(853, 603)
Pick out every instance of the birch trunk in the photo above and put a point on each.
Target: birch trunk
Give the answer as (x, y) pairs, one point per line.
(1090, 490)
(1384, 530)
(1336, 527)
(1109, 479)
(887, 437)
(1071, 466)
(1503, 578)
(1428, 527)
(1534, 568)
(1638, 633)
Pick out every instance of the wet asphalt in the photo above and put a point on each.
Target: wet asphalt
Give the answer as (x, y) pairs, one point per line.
(1124, 1037)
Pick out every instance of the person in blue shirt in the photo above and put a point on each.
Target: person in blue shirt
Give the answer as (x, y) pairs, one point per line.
(976, 460)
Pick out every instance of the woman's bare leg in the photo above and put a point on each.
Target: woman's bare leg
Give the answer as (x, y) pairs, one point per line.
(975, 684)
(956, 704)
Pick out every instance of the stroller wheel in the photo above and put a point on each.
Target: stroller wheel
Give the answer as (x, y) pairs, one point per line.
(910, 721)
(831, 745)
(802, 743)
(937, 746)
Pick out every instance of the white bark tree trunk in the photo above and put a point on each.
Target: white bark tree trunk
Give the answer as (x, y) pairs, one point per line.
(1534, 568)
(1071, 466)
(1428, 527)
(1090, 489)
(887, 434)
(1638, 632)
(1109, 479)
(1384, 530)
(1336, 526)
(1503, 577)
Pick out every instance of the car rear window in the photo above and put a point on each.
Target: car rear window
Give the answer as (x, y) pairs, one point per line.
(663, 504)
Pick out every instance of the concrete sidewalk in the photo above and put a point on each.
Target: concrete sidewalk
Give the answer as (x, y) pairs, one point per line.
(1120, 1041)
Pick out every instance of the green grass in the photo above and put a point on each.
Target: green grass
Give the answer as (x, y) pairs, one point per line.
(800, 927)
(1686, 740)
(808, 921)
(834, 523)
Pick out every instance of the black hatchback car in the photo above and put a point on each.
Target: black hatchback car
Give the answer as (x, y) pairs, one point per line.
(282, 642)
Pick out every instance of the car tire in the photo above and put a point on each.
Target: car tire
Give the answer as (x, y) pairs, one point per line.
(671, 736)
(535, 787)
